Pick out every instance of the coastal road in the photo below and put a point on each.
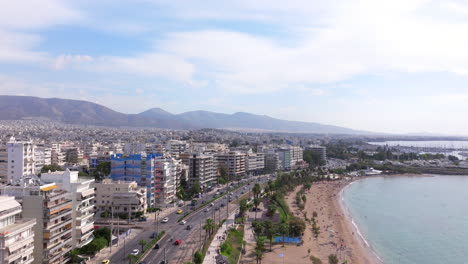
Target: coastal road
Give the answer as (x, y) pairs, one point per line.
(191, 239)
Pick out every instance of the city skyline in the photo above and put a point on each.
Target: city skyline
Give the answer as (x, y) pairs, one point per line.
(394, 67)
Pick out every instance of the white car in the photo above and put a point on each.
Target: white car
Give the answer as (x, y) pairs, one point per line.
(183, 222)
(165, 220)
(207, 209)
(135, 252)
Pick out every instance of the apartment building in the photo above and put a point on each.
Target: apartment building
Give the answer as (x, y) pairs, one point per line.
(42, 155)
(52, 209)
(202, 169)
(119, 197)
(16, 233)
(165, 180)
(319, 150)
(57, 157)
(139, 168)
(233, 161)
(21, 160)
(272, 161)
(254, 163)
(82, 196)
(176, 147)
(284, 155)
(3, 164)
(297, 154)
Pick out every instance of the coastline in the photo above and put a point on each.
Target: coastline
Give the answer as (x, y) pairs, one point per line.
(349, 221)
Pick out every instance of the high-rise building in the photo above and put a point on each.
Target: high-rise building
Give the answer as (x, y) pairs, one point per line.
(82, 197)
(202, 169)
(139, 168)
(233, 161)
(272, 161)
(21, 160)
(254, 162)
(321, 151)
(165, 180)
(16, 234)
(3, 164)
(52, 209)
(284, 154)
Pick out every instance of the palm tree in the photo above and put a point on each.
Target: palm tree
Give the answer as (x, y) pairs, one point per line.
(259, 256)
(243, 207)
(283, 229)
(256, 202)
(131, 258)
(257, 190)
(209, 226)
(142, 243)
(270, 231)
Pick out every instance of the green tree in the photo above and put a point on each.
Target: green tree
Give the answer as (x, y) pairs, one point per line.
(131, 258)
(271, 210)
(198, 257)
(142, 243)
(103, 232)
(243, 207)
(283, 229)
(209, 226)
(332, 259)
(52, 168)
(296, 226)
(258, 256)
(270, 231)
(257, 190)
(256, 202)
(196, 188)
(102, 170)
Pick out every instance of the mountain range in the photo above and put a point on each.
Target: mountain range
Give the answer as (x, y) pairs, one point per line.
(88, 113)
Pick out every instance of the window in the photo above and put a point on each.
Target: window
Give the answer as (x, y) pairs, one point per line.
(12, 161)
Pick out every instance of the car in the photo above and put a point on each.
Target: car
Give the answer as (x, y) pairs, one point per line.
(211, 204)
(154, 235)
(217, 208)
(179, 211)
(242, 192)
(183, 222)
(163, 262)
(189, 227)
(222, 205)
(142, 262)
(135, 252)
(177, 242)
(207, 209)
(156, 246)
(165, 220)
(106, 261)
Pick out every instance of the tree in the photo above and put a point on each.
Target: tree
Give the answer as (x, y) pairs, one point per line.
(332, 259)
(196, 188)
(142, 243)
(243, 207)
(296, 226)
(223, 175)
(104, 232)
(256, 190)
(198, 258)
(315, 260)
(270, 231)
(52, 168)
(131, 258)
(283, 229)
(209, 226)
(256, 202)
(102, 170)
(259, 256)
(271, 210)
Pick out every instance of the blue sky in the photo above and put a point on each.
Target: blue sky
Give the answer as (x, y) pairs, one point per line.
(388, 66)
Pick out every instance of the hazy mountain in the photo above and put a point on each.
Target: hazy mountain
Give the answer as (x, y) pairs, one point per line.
(83, 112)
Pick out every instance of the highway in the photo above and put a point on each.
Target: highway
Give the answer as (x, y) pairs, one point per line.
(191, 239)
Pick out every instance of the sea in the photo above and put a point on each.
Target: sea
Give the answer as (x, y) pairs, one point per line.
(455, 144)
(412, 220)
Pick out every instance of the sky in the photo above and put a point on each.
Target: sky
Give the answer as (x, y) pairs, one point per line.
(397, 66)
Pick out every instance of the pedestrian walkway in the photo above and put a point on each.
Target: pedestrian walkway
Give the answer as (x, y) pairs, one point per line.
(107, 252)
(219, 238)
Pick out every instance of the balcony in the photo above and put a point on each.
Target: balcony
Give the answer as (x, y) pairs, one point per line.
(52, 227)
(56, 208)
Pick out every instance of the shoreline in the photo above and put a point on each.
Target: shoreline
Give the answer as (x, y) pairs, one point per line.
(348, 218)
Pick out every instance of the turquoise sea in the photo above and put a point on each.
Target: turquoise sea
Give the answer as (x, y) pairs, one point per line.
(412, 220)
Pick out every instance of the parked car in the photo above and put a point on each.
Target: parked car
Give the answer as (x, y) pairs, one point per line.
(177, 242)
(135, 252)
(154, 235)
(217, 208)
(189, 227)
(156, 246)
(211, 204)
(165, 220)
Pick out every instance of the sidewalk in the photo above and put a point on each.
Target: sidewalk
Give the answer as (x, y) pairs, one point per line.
(211, 254)
(106, 252)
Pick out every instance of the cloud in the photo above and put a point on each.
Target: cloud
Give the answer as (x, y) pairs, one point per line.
(63, 60)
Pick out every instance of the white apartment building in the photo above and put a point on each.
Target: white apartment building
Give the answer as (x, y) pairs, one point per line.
(82, 196)
(20, 159)
(52, 209)
(42, 156)
(176, 147)
(57, 157)
(297, 154)
(16, 234)
(119, 197)
(254, 162)
(272, 161)
(233, 161)
(165, 180)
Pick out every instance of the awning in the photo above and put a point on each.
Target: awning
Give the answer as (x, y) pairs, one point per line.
(48, 188)
(87, 228)
(16, 246)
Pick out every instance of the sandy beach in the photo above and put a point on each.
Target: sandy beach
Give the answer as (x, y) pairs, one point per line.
(337, 234)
